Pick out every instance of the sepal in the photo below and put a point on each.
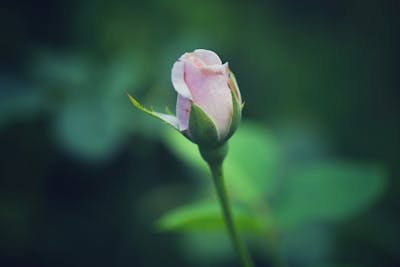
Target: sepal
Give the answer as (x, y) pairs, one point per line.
(169, 119)
(236, 117)
(232, 83)
(202, 130)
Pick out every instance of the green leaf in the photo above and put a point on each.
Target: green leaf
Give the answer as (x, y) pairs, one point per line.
(202, 129)
(169, 119)
(205, 216)
(329, 192)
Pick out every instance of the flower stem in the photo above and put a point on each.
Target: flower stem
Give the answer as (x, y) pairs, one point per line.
(218, 177)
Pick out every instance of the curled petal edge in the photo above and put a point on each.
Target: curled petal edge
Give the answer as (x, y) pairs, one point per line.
(207, 56)
(178, 79)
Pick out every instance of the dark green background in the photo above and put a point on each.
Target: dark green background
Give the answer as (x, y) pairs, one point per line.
(84, 176)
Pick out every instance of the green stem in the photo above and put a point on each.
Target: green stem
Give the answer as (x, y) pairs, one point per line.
(218, 177)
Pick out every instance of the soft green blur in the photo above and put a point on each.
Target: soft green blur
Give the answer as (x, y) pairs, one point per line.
(88, 180)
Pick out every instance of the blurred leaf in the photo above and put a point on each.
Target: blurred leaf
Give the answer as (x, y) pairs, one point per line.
(61, 70)
(250, 166)
(329, 192)
(89, 131)
(252, 163)
(92, 112)
(124, 73)
(302, 143)
(206, 216)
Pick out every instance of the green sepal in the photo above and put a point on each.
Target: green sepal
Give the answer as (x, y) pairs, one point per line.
(202, 129)
(236, 116)
(169, 119)
(232, 83)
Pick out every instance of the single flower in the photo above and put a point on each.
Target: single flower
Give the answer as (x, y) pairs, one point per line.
(208, 111)
(209, 105)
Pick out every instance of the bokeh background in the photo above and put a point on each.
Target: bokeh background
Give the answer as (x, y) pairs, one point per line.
(88, 180)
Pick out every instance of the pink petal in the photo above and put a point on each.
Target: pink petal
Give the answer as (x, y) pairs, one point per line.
(211, 93)
(207, 56)
(183, 106)
(215, 69)
(178, 79)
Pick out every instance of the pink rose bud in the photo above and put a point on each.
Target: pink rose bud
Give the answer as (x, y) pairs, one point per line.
(209, 105)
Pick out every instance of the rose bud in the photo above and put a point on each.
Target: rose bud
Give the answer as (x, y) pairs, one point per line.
(209, 105)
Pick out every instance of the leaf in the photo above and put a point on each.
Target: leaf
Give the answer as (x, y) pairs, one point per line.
(330, 191)
(205, 216)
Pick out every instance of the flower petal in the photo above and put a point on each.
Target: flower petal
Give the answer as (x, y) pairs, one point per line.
(183, 106)
(211, 93)
(178, 79)
(207, 56)
(215, 69)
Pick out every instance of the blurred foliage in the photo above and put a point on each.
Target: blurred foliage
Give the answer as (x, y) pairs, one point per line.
(206, 216)
(313, 171)
(277, 196)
